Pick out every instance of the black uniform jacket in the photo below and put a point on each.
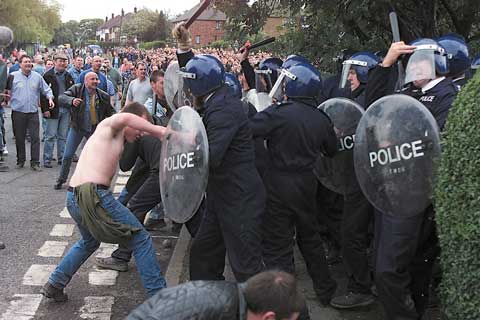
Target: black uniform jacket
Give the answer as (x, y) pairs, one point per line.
(104, 108)
(51, 80)
(297, 133)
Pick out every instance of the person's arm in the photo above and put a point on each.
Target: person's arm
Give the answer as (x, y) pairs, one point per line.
(121, 120)
(129, 97)
(129, 156)
(262, 123)
(47, 91)
(247, 68)
(221, 130)
(67, 98)
(184, 44)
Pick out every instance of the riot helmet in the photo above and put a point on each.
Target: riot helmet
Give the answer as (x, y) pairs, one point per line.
(359, 64)
(428, 60)
(266, 74)
(457, 51)
(233, 85)
(203, 74)
(294, 59)
(300, 81)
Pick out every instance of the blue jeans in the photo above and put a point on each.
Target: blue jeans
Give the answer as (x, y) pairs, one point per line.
(140, 244)
(56, 129)
(73, 141)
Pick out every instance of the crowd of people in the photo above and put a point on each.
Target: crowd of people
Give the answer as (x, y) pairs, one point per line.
(262, 194)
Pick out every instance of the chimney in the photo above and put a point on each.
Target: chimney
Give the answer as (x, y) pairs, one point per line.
(113, 16)
(123, 13)
(106, 18)
(135, 10)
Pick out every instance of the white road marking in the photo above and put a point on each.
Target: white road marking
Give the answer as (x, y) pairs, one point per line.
(22, 307)
(37, 274)
(64, 213)
(97, 308)
(102, 277)
(121, 180)
(106, 250)
(62, 230)
(52, 249)
(118, 188)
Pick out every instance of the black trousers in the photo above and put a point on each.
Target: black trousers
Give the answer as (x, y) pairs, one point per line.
(406, 250)
(231, 225)
(330, 210)
(357, 217)
(290, 214)
(144, 200)
(21, 122)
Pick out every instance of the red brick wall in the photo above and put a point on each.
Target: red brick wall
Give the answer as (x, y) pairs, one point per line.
(207, 32)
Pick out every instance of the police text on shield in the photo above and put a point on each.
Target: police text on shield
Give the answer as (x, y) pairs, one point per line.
(396, 153)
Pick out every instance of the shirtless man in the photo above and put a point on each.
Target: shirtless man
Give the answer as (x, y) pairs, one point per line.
(107, 142)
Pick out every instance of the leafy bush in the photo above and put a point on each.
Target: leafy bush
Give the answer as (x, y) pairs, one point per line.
(152, 45)
(457, 201)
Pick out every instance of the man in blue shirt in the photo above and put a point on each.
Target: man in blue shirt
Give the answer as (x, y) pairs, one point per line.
(96, 65)
(25, 88)
(76, 69)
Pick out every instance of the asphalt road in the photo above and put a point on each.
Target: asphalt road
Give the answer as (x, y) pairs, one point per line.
(36, 236)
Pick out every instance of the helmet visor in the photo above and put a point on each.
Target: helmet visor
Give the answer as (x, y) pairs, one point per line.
(420, 66)
(348, 65)
(263, 80)
(279, 87)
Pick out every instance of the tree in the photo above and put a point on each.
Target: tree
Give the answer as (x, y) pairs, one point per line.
(88, 29)
(141, 25)
(30, 20)
(68, 32)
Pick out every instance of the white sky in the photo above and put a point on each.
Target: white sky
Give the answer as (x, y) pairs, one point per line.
(85, 9)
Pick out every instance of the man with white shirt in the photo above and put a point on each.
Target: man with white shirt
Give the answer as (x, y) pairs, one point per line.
(139, 89)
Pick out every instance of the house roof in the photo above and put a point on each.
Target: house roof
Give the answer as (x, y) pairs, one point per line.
(209, 14)
(116, 21)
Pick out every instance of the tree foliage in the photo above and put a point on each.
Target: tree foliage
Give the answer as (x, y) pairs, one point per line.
(320, 29)
(147, 25)
(30, 20)
(457, 203)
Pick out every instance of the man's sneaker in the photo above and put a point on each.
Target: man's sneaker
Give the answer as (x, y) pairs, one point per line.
(112, 264)
(20, 165)
(352, 300)
(2, 245)
(5, 151)
(59, 162)
(35, 167)
(58, 185)
(54, 293)
(154, 224)
(47, 164)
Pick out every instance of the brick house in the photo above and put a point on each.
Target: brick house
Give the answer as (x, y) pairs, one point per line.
(111, 30)
(208, 28)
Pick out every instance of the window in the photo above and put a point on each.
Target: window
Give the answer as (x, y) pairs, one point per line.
(197, 39)
(218, 25)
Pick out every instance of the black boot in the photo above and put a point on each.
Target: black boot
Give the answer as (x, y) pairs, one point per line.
(54, 293)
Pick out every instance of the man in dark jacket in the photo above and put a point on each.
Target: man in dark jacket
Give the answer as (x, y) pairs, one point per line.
(89, 106)
(297, 133)
(269, 295)
(58, 117)
(235, 193)
(407, 247)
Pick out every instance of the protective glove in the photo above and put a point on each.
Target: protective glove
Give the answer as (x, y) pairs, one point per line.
(182, 35)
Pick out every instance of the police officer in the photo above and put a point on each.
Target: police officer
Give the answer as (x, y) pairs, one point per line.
(296, 133)
(357, 212)
(407, 247)
(235, 193)
(459, 61)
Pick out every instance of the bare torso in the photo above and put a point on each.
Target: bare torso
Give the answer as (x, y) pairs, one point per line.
(99, 158)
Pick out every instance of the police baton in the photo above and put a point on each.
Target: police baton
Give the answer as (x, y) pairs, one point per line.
(396, 38)
(197, 13)
(258, 44)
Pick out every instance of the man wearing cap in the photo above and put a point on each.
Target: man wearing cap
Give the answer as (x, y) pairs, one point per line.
(57, 118)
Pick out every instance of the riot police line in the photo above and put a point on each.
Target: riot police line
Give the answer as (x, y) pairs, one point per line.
(387, 148)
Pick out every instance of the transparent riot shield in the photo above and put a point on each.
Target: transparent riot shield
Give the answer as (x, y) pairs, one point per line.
(397, 148)
(338, 173)
(172, 81)
(260, 100)
(183, 165)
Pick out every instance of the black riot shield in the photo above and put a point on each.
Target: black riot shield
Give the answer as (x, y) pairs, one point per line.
(260, 100)
(183, 165)
(397, 148)
(338, 173)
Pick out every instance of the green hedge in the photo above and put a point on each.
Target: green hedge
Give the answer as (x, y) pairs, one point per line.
(152, 45)
(457, 201)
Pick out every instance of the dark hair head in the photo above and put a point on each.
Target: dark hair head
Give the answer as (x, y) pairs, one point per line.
(137, 109)
(157, 74)
(274, 291)
(24, 56)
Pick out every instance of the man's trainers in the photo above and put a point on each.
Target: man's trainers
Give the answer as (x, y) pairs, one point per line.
(352, 300)
(2, 245)
(20, 165)
(112, 264)
(5, 151)
(35, 167)
(54, 293)
(58, 185)
(47, 164)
